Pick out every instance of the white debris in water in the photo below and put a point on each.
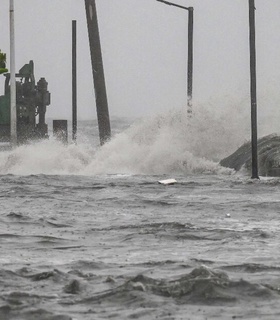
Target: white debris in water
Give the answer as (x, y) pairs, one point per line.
(167, 181)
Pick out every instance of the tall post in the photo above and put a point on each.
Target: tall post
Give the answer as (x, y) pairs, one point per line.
(13, 107)
(190, 59)
(98, 72)
(74, 80)
(252, 37)
(190, 52)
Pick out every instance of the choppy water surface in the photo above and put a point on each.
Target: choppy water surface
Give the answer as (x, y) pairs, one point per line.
(78, 242)
(125, 247)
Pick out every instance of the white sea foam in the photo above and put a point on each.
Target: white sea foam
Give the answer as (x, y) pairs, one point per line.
(168, 143)
(45, 157)
(172, 143)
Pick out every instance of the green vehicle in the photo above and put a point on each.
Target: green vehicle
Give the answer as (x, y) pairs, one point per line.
(31, 102)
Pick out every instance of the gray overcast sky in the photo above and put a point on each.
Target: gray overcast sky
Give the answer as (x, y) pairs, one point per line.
(144, 46)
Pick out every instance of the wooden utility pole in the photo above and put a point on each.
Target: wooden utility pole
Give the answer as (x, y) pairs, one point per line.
(74, 80)
(98, 73)
(252, 37)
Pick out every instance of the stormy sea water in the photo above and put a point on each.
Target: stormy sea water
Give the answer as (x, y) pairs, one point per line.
(87, 232)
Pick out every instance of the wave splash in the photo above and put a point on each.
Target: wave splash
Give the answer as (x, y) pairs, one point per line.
(165, 144)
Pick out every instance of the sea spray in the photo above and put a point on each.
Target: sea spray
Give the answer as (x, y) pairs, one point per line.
(45, 157)
(168, 143)
(165, 144)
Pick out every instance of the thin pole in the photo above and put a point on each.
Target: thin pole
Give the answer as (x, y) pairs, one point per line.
(252, 37)
(98, 73)
(190, 60)
(74, 80)
(13, 110)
